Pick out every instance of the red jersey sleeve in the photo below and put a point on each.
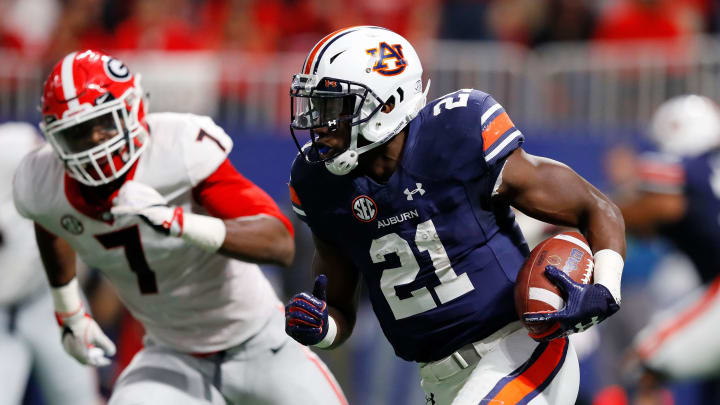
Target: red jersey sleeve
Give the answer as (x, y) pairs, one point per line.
(227, 194)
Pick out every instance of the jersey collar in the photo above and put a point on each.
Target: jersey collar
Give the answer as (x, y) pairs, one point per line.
(95, 202)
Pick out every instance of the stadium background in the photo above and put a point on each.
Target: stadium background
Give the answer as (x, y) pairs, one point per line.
(576, 76)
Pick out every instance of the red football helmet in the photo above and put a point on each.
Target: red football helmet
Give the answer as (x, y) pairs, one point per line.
(94, 116)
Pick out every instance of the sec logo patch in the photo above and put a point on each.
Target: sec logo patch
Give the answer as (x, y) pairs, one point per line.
(364, 208)
(71, 224)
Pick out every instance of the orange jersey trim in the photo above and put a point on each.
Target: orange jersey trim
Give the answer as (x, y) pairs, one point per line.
(497, 127)
(294, 197)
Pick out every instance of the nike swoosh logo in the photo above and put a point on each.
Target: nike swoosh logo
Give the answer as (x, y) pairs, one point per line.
(274, 350)
(101, 99)
(335, 56)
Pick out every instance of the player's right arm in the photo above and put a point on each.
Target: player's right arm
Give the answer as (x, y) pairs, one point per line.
(81, 337)
(326, 317)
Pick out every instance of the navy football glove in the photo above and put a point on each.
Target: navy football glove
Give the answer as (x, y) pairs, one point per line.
(585, 305)
(306, 315)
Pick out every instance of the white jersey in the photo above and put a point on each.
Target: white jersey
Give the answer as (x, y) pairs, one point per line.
(191, 300)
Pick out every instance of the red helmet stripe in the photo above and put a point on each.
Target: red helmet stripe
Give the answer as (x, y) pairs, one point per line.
(68, 81)
(310, 59)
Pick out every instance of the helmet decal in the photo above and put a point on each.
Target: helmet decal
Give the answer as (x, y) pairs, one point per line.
(68, 82)
(386, 53)
(322, 46)
(117, 70)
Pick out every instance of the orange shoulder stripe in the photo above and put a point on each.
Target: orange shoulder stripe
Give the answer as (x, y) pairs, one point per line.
(495, 129)
(294, 197)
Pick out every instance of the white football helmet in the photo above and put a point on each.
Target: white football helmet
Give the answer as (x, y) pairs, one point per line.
(346, 79)
(686, 125)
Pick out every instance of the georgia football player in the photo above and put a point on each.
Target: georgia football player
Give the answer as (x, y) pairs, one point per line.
(154, 203)
(678, 197)
(416, 199)
(28, 336)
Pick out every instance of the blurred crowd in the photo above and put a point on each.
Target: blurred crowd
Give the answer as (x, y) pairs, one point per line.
(268, 26)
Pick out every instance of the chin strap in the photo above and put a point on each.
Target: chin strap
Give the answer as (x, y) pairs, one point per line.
(343, 163)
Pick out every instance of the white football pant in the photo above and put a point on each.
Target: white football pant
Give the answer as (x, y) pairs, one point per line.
(682, 342)
(505, 368)
(269, 368)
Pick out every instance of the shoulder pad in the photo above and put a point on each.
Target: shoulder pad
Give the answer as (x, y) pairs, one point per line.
(201, 144)
(36, 180)
(467, 130)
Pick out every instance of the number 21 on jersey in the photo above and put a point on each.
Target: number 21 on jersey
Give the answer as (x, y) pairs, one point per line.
(426, 239)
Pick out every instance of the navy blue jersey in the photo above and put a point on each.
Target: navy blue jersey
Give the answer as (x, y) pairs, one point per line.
(438, 258)
(697, 234)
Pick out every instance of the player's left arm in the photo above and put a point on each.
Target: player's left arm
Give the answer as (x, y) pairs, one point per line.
(552, 192)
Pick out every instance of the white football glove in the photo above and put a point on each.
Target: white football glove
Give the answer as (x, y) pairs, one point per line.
(83, 339)
(144, 201)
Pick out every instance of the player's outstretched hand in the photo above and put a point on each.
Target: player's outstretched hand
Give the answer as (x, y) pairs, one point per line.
(306, 315)
(83, 339)
(585, 305)
(144, 201)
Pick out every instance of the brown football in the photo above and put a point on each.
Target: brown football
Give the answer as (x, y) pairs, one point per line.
(534, 292)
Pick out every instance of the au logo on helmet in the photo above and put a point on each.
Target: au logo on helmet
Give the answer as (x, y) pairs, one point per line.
(387, 53)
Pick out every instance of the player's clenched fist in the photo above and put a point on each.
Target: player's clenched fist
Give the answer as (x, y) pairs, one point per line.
(144, 201)
(306, 315)
(139, 199)
(81, 336)
(587, 305)
(83, 339)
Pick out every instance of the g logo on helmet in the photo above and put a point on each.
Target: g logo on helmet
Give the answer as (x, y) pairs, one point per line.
(386, 53)
(364, 208)
(116, 70)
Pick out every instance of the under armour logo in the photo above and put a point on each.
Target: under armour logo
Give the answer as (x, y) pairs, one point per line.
(430, 399)
(419, 189)
(581, 328)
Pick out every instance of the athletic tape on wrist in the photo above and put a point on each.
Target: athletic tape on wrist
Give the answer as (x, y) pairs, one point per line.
(330, 336)
(66, 299)
(608, 271)
(203, 231)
